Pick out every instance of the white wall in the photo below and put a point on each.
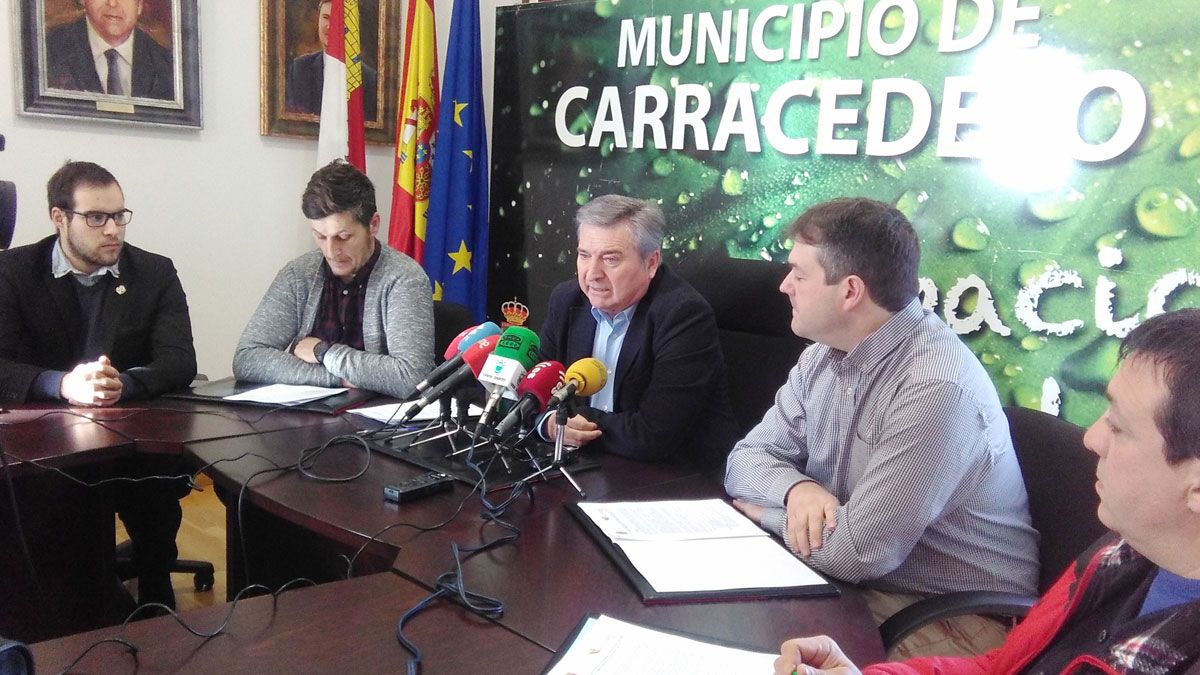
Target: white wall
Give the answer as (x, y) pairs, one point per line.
(223, 202)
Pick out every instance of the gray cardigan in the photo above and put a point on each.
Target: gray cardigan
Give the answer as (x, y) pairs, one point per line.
(397, 329)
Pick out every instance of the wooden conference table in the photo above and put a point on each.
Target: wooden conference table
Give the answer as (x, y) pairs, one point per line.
(548, 579)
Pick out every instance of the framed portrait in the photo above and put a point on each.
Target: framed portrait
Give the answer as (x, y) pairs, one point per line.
(292, 67)
(120, 60)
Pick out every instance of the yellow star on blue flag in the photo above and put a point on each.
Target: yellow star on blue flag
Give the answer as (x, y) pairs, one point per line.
(456, 233)
(461, 258)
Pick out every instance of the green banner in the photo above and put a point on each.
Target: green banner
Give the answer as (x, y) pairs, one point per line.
(1046, 152)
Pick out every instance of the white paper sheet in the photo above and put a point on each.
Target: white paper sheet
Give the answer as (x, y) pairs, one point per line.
(390, 412)
(698, 545)
(670, 520)
(608, 646)
(285, 394)
(718, 564)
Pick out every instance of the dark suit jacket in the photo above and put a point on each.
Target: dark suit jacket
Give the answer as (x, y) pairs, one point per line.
(69, 63)
(671, 397)
(145, 330)
(306, 82)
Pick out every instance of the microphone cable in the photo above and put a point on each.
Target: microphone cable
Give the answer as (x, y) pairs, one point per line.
(133, 649)
(452, 585)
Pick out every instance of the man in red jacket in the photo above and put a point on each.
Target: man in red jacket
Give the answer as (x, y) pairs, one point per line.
(1131, 604)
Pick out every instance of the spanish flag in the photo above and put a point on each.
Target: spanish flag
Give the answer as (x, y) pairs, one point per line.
(415, 129)
(341, 134)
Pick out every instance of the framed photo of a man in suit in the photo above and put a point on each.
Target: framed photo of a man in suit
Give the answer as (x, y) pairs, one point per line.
(122, 60)
(292, 66)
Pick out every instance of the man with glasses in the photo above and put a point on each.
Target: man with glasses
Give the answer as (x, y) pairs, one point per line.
(89, 320)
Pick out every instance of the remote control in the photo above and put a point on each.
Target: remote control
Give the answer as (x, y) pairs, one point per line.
(415, 488)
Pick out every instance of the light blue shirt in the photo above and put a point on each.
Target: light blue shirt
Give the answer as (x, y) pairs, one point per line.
(61, 267)
(610, 335)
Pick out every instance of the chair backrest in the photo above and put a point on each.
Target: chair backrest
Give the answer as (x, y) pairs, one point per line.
(449, 319)
(8, 212)
(754, 323)
(1060, 477)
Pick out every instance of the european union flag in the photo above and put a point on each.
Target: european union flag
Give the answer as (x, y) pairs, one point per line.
(456, 238)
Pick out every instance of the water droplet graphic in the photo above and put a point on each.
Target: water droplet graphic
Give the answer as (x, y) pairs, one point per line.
(1165, 212)
(662, 166)
(733, 183)
(1055, 205)
(1190, 147)
(893, 167)
(1032, 343)
(911, 203)
(970, 234)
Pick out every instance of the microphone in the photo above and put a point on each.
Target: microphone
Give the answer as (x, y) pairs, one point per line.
(534, 392)
(516, 351)
(584, 378)
(454, 353)
(474, 358)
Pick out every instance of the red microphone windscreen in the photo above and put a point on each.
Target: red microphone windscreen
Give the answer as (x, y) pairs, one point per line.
(541, 381)
(477, 354)
(452, 350)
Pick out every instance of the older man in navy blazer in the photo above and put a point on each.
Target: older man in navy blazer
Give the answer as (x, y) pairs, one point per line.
(306, 75)
(667, 394)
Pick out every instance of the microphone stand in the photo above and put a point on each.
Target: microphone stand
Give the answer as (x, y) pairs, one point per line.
(445, 421)
(560, 418)
(460, 424)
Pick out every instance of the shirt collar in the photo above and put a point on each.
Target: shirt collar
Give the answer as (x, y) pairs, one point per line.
(61, 267)
(887, 337)
(618, 320)
(99, 46)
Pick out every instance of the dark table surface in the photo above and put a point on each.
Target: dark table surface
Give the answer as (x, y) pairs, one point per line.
(342, 627)
(58, 436)
(548, 579)
(554, 573)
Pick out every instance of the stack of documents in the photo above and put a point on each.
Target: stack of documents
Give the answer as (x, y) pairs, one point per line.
(607, 645)
(699, 548)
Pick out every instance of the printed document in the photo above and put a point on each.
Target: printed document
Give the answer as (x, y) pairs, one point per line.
(610, 646)
(697, 546)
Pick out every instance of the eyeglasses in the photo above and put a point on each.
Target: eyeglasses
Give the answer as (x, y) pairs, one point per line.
(100, 218)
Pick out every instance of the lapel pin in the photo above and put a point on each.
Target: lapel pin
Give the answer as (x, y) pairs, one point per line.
(121, 289)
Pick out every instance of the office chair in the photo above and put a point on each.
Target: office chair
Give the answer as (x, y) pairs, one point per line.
(754, 327)
(1059, 474)
(202, 571)
(203, 574)
(15, 658)
(8, 212)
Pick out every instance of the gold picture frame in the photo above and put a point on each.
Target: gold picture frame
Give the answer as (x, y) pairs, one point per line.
(289, 74)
